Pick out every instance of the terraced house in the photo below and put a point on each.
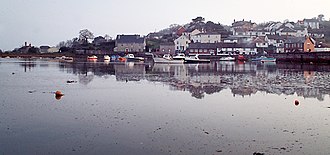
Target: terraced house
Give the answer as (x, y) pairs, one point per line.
(130, 43)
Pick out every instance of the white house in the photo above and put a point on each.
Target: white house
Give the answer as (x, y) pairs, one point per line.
(182, 43)
(277, 42)
(236, 48)
(312, 23)
(192, 33)
(206, 38)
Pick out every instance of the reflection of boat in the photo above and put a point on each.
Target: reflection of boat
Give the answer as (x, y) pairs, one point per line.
(167, 59)
(229, 58)
(179, 56)
(106, 57)
(241, 58)
(94, 57)
(195, 59)
(266, 59)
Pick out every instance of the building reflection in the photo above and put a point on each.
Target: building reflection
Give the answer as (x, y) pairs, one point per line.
(245, 79)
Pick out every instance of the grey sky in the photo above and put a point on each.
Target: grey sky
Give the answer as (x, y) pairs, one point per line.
(47, 22)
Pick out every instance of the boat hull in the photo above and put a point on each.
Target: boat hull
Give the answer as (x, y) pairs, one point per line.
(167, 61)
(196, 61)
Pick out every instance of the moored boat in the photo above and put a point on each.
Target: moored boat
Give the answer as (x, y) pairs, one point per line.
(196, 59)
(179, 56)
(241, 58)
(167, 59)
(93, 57)
(131, 57)
(106, 57)
(266, 59)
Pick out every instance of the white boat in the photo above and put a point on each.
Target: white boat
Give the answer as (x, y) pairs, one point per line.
(195, 59)
(132, 57)
(179, 56)
(93, 57)
(106, 57)
(167, 59)
(66, 58)
(229, 58)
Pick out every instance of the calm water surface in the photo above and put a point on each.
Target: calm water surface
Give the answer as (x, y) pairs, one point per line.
(137, 108)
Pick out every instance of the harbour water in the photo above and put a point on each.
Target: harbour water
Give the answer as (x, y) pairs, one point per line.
(141, 108)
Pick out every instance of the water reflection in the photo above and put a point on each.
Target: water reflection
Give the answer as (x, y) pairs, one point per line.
(28, 65)
(243, 79)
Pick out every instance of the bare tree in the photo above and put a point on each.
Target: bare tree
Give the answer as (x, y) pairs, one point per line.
(320, 17)
(85, 34)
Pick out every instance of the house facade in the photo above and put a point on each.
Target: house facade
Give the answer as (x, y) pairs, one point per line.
(182, 43)
(206, 38)
(167, 48)
(130, 43)
(309, 45)
(202, 48)
(275, 43)
(294, 44)
(312, 23)
(236, 48)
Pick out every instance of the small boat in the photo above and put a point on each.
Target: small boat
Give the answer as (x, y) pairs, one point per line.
(122, 59)
(257, 59)
(195, 59)
(167, 59)
(241, 58)
(94, 57)
(106, 57)
(66, 58)
(179, 56)
(131, 57)
(229, 58)
(264, 59)
(267, 59)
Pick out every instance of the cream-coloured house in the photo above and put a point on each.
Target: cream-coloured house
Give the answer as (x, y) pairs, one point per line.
(182, 43)
(192, 33)
(206, 38)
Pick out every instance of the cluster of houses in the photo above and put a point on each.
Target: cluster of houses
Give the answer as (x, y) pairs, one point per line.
(246, 38)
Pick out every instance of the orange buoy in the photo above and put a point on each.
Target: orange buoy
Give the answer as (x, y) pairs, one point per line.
(296, 102)
(58, 93)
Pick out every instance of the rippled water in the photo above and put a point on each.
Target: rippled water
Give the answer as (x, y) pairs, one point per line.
(138, 108)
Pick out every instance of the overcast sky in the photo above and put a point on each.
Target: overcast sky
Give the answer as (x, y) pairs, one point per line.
(47, 22)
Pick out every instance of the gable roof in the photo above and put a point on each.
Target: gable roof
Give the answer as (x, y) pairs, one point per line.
(260, 39)
(287, 29)
(130, 39)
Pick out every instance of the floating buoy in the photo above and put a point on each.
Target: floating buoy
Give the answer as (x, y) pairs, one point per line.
(296, 102)
(58, 93)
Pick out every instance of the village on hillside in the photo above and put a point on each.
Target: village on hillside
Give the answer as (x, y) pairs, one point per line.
(204, 38)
